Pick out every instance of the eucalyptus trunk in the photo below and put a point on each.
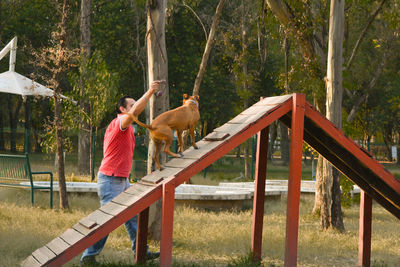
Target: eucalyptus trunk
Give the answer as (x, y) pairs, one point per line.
(157, 63)
(84, 155)
(331, 211)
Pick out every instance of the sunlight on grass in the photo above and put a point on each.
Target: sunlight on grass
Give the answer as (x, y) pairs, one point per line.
(200, 238)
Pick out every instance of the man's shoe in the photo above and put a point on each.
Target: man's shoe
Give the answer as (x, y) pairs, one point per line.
(152, 255)
(89, 261)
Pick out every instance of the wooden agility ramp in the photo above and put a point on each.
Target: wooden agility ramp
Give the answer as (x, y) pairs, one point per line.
(305, 123)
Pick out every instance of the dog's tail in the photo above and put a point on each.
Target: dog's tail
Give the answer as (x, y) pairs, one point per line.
(135, 119)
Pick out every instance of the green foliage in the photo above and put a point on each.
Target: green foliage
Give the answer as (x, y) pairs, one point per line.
(96, 86)
(246, 261)
(347, 186)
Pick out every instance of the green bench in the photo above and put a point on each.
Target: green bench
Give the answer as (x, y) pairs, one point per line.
(15, 171)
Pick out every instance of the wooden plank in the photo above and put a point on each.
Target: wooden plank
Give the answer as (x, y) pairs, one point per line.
(204, 147)
(125, 199)
(112, 208)
(57, 245)
(216, 136)
(71, 236)
(99, 217)
(157, 176)
(84, 230)
(274, 100)
(87, 223)
(43, 255)
(30, 262)
(254, 110)
(138, 189)
(232, 129)
(243, 119)
(179, 163)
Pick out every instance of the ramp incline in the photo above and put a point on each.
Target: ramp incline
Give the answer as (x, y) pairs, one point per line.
(321, 134)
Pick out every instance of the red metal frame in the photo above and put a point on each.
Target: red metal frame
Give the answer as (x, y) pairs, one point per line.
(346, 142)
(167, 223)
(364, 241)
(259, 193)
(293, 201)
(141, 238)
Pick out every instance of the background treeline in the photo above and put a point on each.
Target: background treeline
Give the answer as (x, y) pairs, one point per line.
(252, 56)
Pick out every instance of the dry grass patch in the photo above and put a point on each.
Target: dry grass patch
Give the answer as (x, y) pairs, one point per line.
(200, 238)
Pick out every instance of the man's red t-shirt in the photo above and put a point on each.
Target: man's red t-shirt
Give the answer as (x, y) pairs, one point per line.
(118, 149)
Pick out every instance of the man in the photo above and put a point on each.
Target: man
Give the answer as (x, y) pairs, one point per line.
(112, 179)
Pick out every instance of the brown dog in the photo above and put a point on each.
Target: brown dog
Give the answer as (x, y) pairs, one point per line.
(179, 119)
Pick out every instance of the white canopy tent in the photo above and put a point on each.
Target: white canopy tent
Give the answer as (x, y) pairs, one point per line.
(15, 83)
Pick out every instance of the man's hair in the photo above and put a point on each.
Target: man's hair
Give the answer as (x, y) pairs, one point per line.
(122, 103)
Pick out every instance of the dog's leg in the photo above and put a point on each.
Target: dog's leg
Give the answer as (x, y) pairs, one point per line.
(168, 143)
(158, 146)
(191, 130)
(180, 142)
(164, 133)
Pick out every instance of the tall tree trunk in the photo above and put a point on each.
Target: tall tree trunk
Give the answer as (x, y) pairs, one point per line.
(157, 70)
(284, 130)
(207, 50)
(84, 155)
(61, 61)
(312, 46)
(331, 211)
(321, 35)
(245, 85)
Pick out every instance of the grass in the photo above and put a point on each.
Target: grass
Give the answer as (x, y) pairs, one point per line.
(200, 238)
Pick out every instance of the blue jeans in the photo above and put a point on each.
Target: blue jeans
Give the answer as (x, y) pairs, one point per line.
(108, 188)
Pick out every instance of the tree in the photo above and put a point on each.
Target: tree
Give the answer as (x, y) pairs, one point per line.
(207, 50)
(312, 48)
(54, 62)
(84, 166)
(157, 62)
(331, 213)
(101, 94)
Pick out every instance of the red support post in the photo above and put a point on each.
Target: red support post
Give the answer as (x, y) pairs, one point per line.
(259, 193)
(141, 238)
(293, 201)
(364, 241)
(167, 224)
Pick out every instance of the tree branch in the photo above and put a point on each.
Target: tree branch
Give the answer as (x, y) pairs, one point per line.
(363, 33)
(198, 18)
(207, 50)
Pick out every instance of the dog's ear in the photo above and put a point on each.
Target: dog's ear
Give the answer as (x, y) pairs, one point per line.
(185, 96)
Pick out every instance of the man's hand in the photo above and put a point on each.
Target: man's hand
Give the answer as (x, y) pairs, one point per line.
(158, 87)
